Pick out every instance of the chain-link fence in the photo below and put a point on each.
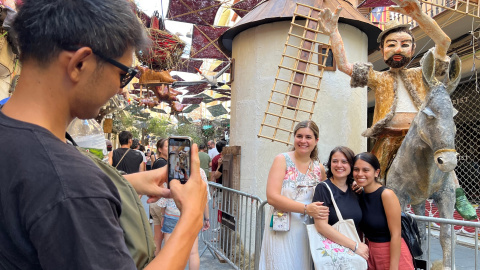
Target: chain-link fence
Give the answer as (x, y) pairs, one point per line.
(466, 99)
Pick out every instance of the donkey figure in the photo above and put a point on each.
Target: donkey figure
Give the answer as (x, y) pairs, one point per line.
(424, 164)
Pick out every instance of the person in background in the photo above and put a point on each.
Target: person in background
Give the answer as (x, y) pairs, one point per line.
(109, 150)
(212, 150)
(156, 211)
(290, 187)
(123, 158)
(381, 217)
(138, 147)
(205, 161)
(217, 168)
(171, 217)
(59, 210)
(340, 179)
(148, 156)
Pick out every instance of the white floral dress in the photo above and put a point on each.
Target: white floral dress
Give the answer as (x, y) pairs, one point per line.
(290, 250)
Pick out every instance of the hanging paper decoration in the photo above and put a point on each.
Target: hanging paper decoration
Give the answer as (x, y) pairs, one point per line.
(188, 65)
(192, 100)
(221, 66)
(205, 98)
(196, 89)
(166, 48)
(193, 11)
(190, 108)
(217, 110)
(376, 3)
(177, 78)
(245, 6)
(223, 99)
(205, 42)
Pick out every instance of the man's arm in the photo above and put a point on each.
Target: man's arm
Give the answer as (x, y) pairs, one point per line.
(427, 24)
(190, 198)
(329, 25)
(110, 157)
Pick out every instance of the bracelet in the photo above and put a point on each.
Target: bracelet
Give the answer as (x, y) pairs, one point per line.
(206, 219)
(305, 210)
(356, 246)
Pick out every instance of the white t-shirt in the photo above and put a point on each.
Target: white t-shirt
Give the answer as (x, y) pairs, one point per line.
(143, 155)
(213, 152)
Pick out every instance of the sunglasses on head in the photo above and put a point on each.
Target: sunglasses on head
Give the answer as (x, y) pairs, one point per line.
(130, 72)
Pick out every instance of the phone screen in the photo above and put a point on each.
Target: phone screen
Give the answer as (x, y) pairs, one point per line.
(179, 149)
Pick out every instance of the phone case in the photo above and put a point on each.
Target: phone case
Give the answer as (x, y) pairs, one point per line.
(179, 158)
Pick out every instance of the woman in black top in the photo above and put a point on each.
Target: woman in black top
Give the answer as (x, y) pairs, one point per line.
(162, 149)
(340, 179)
(156, 211)
(381, 221)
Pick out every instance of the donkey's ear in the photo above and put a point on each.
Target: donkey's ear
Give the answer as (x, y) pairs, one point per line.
(454, 73)
(428, 69)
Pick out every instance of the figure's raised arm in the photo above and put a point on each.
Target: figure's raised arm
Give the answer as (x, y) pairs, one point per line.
(329, 25)
(427, 24)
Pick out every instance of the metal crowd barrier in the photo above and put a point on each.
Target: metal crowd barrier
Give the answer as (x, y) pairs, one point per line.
(236, 227)
(237, 221)
(452, 223)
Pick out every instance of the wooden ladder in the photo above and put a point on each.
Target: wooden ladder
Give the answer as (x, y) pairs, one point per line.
(296, 87)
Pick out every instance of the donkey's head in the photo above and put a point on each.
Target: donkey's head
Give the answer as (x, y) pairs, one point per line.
(435, 122)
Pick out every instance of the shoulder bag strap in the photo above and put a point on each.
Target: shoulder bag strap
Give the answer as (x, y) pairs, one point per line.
(339, 215)
(122, 158)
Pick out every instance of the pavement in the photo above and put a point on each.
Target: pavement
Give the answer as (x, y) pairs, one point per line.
(464, 254)
(208, 261)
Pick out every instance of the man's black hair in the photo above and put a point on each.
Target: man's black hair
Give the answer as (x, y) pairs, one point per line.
(124, 136)
(220, 145)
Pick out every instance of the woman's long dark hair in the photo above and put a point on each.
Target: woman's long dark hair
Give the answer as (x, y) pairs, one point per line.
(348, 153)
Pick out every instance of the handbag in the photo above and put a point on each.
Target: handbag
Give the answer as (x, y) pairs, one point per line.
(327, 254)
(280, 221)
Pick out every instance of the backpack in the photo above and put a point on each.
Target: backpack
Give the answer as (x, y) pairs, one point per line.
(133, 219)
(411, 235)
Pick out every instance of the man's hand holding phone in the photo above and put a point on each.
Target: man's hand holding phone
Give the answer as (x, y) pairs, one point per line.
(191, 197)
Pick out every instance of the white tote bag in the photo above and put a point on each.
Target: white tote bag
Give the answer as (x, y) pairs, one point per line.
(329, 255)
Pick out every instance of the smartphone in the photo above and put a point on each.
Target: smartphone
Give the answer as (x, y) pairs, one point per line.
(179, 158)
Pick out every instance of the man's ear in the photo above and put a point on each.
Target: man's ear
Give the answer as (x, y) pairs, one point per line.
(78, 62)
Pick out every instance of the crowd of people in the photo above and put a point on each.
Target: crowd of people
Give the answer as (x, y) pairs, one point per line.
(298, 185)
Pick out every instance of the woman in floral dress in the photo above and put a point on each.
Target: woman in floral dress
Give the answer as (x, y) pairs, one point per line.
(290, 187)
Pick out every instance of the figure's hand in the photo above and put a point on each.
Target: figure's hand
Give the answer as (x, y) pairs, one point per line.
(329, 20)
(407, 7)
(356, 188)
(362, 250)
(220, 160)
(317, 210)
(191, 197)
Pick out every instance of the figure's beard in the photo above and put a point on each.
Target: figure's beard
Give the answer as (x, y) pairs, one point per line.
(397, 64)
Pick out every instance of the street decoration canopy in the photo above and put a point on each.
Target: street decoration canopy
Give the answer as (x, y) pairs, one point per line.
(217, 110)
(205, 42)
(199, 12)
